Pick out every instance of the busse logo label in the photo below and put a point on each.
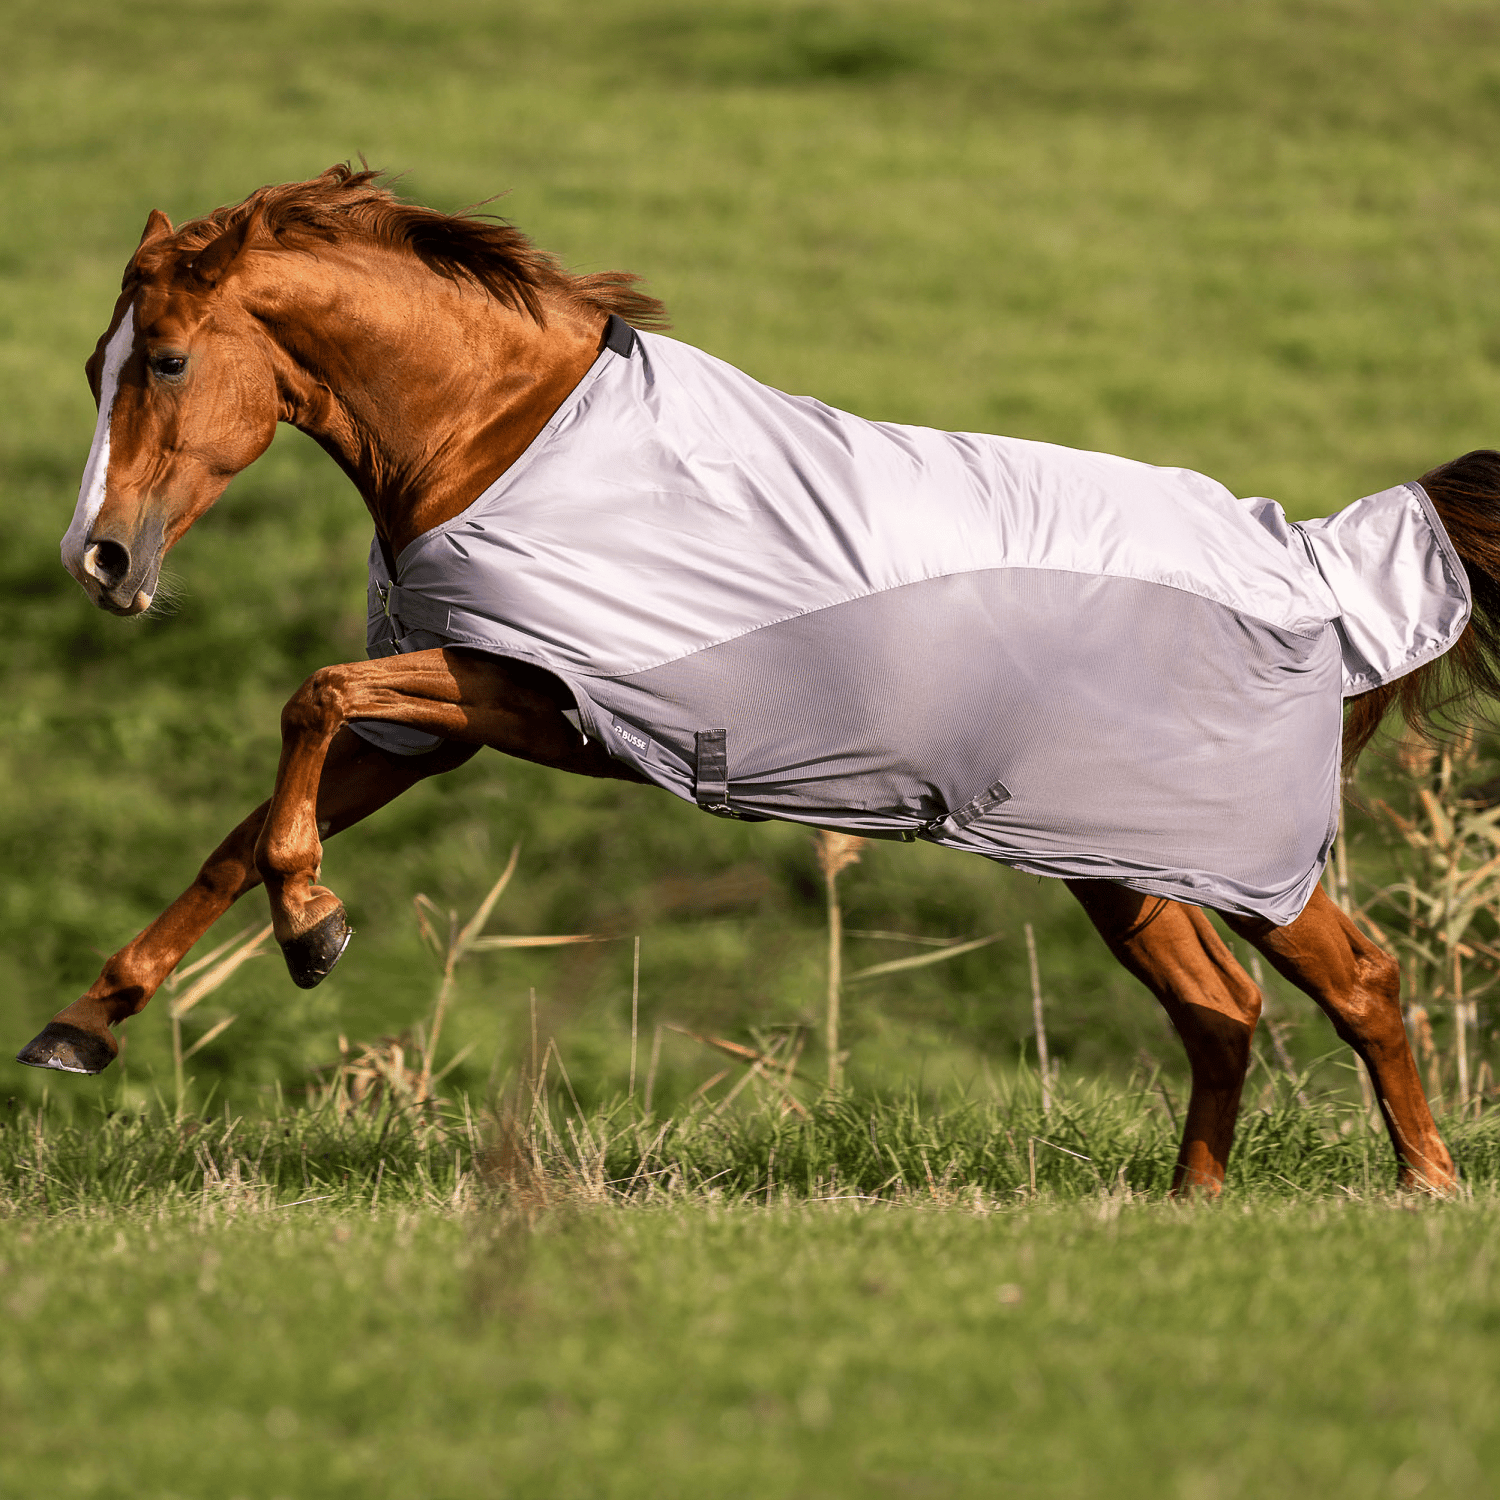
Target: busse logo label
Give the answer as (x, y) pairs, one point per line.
(632, 737)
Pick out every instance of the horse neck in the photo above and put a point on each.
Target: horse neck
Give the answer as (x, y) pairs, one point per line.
(424, 391)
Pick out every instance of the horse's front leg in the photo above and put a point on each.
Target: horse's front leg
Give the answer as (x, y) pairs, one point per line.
(357, 779)
(464, 696)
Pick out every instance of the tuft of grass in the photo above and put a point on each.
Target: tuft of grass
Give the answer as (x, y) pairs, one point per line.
(158, 1161)
(1096, 1141)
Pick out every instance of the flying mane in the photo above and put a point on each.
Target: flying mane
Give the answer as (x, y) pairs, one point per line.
(341, 204)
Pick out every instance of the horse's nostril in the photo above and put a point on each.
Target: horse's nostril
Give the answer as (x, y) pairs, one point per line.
(109, 562)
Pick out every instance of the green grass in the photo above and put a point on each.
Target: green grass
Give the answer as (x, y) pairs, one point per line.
(878, 1298)
(537, 1148)
(1107, 1347)
(875, 1300)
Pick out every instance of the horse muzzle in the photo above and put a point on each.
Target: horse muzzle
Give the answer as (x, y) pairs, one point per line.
(118, 578)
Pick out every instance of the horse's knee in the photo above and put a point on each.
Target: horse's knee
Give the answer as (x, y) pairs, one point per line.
(317, 707)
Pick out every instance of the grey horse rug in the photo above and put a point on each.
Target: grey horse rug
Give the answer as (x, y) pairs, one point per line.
(1076, 664)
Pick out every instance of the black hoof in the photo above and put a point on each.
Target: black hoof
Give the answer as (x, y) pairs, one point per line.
(68, 1049)
(310, 958)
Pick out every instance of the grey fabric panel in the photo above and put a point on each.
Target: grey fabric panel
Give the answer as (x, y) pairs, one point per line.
(1143, 734)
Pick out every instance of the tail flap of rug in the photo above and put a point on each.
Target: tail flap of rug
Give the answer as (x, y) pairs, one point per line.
(1401, 590)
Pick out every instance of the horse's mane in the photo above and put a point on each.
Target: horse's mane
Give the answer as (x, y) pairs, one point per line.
(482, 250)
(1466, 495)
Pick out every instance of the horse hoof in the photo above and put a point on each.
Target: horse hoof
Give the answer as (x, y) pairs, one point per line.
(1440, 1182)
(310, 957)
(68, 1049)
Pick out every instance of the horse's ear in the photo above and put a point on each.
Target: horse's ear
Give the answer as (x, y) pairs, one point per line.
(158, 225)
(212, 262)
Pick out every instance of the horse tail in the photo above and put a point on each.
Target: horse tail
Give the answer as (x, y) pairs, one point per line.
(1466, 495)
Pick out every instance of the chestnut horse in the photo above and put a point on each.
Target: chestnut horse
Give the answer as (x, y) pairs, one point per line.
(425, 352)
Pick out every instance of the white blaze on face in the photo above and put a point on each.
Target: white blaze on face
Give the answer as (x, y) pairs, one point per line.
(96, 475)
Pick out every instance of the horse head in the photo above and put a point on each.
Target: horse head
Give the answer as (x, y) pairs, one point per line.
(423, 350)
(185, 384)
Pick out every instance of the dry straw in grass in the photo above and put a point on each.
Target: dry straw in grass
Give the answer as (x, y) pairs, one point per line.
(374, 1075)
(212, 971)
(1441, 916)
(1039, 1021)
(775, 1063)
(836, 852)
(456, 944)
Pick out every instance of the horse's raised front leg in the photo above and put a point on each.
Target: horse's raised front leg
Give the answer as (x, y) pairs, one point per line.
(463, 696)
(1359, 986)
(357, 779)
(1214, 1005)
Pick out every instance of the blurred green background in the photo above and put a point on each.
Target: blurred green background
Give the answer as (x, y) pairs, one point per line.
(1252, 239)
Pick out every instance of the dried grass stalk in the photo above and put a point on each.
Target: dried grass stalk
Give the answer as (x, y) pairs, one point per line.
(835, 852)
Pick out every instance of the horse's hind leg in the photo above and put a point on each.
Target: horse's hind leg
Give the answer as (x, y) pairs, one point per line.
(1358, 984)
(1213, 1004)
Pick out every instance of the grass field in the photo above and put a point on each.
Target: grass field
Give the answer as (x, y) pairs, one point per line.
(258, 1318)
(1255, 240)
(1113, 1349)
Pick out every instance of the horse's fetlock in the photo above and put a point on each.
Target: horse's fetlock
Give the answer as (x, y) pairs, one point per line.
(279, 864)
(122, 983)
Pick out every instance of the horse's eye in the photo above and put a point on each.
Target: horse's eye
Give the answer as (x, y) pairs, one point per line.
(167, 366)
